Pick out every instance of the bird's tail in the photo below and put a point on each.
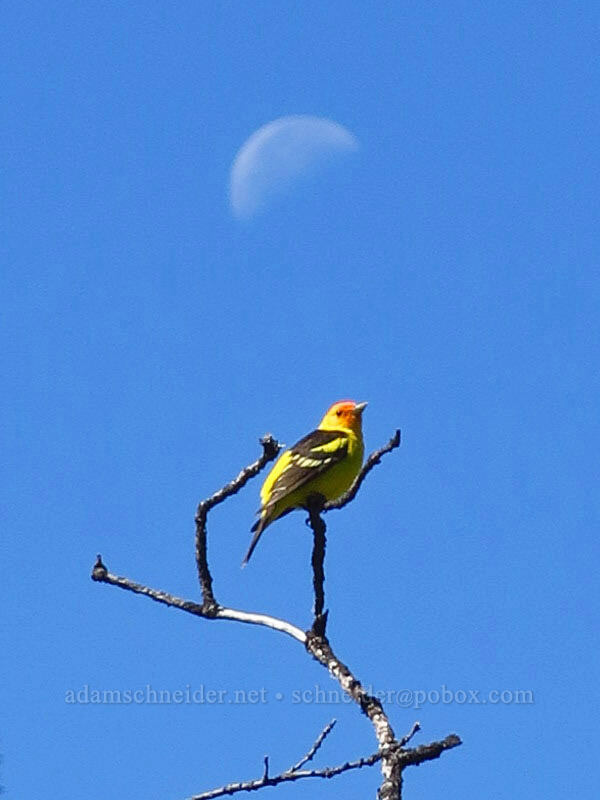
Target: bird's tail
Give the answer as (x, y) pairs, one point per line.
(258, 528)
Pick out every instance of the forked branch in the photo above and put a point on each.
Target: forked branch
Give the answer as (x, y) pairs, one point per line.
(391, 753)
(409, 757)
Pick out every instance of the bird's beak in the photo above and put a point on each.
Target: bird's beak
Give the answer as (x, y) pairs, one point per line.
(359, 408)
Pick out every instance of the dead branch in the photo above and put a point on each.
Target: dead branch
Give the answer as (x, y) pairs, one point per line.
(321, 651)
(101, 574)
(372, 460)
(271, 448)
(411, 757)
(392, 753)
(313, 750)
(315, 506)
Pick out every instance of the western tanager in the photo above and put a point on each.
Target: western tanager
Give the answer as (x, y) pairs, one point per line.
(324, 462)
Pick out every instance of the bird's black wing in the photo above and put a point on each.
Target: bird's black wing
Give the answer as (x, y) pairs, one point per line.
(311, 456)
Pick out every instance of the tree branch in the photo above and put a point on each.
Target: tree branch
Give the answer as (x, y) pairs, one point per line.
(407, 758)
(101, 574)
(427, 752)
(391, 751)
(408, 736)
(271, 448)
(313, 750)
(315, 505)
(321, 651)
(372, 460)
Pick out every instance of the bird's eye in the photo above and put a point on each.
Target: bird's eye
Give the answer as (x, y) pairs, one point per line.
(339, 412)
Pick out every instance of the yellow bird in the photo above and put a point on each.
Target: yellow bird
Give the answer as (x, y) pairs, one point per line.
(326, 462)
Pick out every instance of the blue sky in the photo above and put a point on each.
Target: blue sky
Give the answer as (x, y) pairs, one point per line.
(447, 272)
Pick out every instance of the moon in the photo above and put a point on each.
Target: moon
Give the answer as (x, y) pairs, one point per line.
(280, 153)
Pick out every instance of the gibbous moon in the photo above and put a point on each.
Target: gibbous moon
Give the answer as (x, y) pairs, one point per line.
(279, 153)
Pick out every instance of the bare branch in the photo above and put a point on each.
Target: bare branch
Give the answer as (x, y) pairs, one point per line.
(271, 448)
(321, 651)
(407, 758)
(407, 737)
(313, 750)
(391, 751)
(427, 752)
(391, 788)
(314, 507)
(101, 574)
(372, 460)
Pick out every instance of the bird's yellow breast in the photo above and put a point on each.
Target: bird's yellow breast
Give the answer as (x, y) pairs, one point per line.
(331, 483)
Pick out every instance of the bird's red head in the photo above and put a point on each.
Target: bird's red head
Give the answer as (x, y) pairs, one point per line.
(344, 414)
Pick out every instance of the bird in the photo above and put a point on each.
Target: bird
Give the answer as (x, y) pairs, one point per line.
(324, 462)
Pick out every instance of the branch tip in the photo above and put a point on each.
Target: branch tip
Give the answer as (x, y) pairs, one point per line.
(99, 570)
(407, 737)
(271, 446)
(372, 460)
(313, 750)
